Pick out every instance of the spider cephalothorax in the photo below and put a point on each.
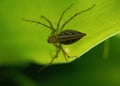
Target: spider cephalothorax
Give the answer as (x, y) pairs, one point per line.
(58, 36)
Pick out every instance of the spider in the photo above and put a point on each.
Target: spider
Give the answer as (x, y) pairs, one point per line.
(58, 36)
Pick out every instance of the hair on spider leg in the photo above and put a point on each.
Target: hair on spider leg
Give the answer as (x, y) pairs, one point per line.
(59, 21)
(37, 22)
(58, 36)
(76, 14)
(55, 56)
(50, 23)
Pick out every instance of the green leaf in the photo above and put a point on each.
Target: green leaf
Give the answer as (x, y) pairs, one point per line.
(23, 42)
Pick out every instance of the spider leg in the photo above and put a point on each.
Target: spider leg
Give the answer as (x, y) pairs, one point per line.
(37, 23)
(55, 56)
(51, 25)
(64, 53)
(62, 16)
(76, 14)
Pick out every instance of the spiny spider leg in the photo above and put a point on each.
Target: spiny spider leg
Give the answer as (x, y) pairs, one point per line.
(76, 14)
(64, 52)
(55, 56)
(37, 23)
(53, 29)
(62, 16)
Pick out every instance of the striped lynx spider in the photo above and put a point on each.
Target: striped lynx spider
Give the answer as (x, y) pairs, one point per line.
(58, 36)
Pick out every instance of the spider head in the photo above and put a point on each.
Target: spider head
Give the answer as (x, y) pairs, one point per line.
(52, 39)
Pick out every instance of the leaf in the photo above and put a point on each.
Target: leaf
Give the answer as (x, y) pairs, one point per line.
(23, 42)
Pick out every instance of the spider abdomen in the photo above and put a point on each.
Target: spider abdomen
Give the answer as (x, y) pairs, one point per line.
(69, 36)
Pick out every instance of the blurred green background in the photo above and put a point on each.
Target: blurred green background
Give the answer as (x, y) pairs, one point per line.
(20, 48)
